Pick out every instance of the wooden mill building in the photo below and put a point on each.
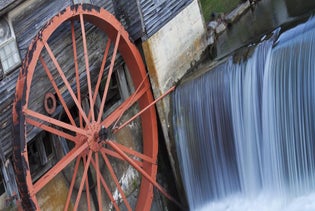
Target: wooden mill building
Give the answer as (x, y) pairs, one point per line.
(168, 33)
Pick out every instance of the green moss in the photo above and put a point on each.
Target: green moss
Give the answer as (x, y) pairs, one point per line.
(217, 6)
(135, 184)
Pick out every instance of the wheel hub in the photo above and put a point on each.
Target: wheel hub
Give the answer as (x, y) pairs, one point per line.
(93, 137)
(96, 135)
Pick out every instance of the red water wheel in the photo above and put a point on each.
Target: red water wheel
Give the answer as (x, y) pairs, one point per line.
(73, 122)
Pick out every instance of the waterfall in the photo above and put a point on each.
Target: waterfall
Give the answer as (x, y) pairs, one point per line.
(245, 131)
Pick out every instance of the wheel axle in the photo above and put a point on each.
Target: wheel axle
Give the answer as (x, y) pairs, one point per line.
(103, 134)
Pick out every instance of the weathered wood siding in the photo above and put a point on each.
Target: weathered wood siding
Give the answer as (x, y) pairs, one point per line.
(30, 20)
(7, 90)
(156, 13)
(128, 13)
(7, 5)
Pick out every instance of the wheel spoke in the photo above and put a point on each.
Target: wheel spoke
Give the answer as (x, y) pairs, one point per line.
(98, 181)
(76, 67)
(101, 72)
(116, 115)
(132, 99)
(87, 67)
(143, 173)
(53, 121)
(75, 152)
(112, 64)
(145, 109)
(52, 80)
(87, 188)
(84, 176)
(75, 172)
(135, 153)
(116, 155)
(66, 82)
(105, 186)
(51, 130)
(112, 173)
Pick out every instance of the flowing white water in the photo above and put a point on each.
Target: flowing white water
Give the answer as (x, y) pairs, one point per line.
(245, 133)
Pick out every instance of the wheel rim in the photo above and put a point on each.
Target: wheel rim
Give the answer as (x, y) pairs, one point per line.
(92, 132)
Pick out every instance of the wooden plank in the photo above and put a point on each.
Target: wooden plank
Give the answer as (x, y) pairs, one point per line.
(157, 13)
(7, 5)
(127, 13)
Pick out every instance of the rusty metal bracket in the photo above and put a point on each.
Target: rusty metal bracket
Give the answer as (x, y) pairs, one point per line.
(50, 103)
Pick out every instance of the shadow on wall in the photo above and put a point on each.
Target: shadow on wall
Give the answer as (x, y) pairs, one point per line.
(262, 18)
(299, 7)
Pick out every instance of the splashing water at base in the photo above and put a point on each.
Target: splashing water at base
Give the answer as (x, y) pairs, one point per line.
(262, 202)
(245, 132)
